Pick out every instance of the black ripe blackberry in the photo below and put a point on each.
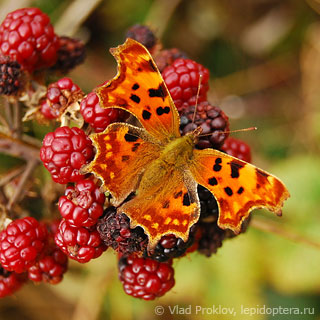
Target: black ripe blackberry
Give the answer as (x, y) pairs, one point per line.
(114, 230)
(70, 54)
(211, 236)
(212, 120)
(170, 247)
(143, 35)
(10, 76)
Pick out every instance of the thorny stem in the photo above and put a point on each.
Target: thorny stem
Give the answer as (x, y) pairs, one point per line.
(19, 191)
(272, 227)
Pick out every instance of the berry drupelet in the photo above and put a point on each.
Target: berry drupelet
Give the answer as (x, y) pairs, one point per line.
(82, 204)
(211, 119)
(10, 282)
(79, 243)
(114, 230)
(237, 148)
(142, 34)
(10, 76)
(27, 36)
(145, 278)
(64, 152)
(59, 96)
(182, 79)
(21, 244)
(97, 117)
(70, 54)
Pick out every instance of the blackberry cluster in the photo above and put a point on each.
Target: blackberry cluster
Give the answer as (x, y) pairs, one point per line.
(115, 231)
(142, 34)
(71, 53)
(10, 76)
(211, 119)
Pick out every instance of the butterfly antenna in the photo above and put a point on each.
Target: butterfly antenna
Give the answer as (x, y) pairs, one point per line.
(230, 131)
(197, 98)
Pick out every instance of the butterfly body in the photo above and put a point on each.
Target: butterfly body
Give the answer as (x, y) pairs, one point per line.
(162, 167)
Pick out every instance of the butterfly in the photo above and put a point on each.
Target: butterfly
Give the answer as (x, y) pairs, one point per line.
(164, 168)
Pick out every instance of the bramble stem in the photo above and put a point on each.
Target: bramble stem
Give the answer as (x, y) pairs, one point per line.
(17, 123)
(273, 227)
(20, 190)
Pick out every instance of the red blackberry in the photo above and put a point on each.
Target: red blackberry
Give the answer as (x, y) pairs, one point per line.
(114, 230)
(145, 278)
(10, 76)
(170, 247)
(50, 267)
(81, 244)
(82, 204)
(60, 95)
(64, 152)
(212, 120)
(182, 79)
(237, 148)
(21, 243)
(97, 117)
(70, 54)
(10, 282)
(143, 35)
(27, 36)
(166, 57)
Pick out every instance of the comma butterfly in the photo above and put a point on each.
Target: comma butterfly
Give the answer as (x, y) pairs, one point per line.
(162, 167)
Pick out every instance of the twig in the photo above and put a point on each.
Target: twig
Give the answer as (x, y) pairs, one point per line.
(273, 227)
(8, 113)
(18, 148)
(19, 191)
(4, 121)
(11, 175)
(17, 123)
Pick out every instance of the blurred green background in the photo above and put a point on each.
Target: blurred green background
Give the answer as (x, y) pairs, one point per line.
(264, 59)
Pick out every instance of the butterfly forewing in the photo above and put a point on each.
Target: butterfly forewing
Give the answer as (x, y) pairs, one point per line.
(237, 186)
(122, 153)
(140, 89)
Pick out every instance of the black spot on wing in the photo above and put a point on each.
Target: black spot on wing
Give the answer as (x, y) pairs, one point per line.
(186, 200)
(228, 191)
(130, 138)
(235, 167)
(213, 181)
(135, 86)
(135, 98)
(135, 147)
(177, 194)
(240, 190)
(146, 115)
(160, 92)
(160, 111)
(152, 66)
(125, 158)
(217, 167)
(166, 204)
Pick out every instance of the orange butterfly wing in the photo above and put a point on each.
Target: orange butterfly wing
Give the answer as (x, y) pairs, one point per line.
(238, 186)
(140, 89)
(167, 204)
(122, 153)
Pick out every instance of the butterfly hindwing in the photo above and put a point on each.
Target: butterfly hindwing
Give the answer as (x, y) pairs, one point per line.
(237, 186)
(140, 89)
(168, 205)
(122, 153)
